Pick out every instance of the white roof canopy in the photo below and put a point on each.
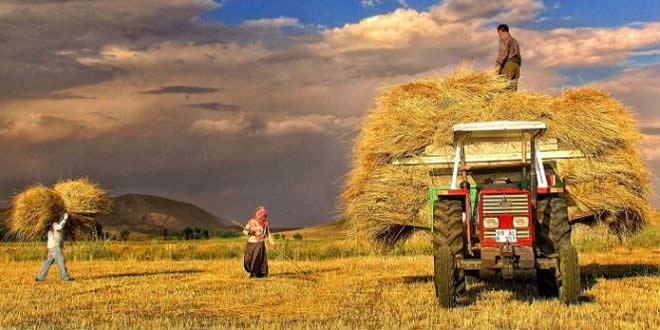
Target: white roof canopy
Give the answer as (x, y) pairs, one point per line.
(500, 126)
(498, 129)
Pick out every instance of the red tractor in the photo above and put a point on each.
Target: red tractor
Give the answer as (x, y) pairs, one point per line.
(504, 211)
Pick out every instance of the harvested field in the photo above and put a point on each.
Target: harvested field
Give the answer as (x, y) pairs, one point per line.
(622, 290)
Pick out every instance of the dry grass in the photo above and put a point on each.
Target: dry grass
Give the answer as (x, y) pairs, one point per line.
(622, 290)
(33, 212)
(84, 201)
(380, 200)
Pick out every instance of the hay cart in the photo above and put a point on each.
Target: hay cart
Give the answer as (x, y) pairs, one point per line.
(505, 210)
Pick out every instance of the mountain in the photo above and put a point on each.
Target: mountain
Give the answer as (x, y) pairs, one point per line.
(332, 230)
(152, 214)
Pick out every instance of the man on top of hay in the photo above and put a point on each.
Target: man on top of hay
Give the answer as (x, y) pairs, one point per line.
(55, 245)
(508, 60)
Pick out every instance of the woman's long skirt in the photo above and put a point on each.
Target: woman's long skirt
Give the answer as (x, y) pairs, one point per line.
(256, 261)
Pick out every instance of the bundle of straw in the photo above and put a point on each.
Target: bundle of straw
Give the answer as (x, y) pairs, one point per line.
(385, 203)
(84, 201)
(34, 211)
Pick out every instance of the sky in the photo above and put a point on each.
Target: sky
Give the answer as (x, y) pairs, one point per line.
(238, 103)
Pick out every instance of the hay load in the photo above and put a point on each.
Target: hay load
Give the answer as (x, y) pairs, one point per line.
(34, 210)
(385, 203)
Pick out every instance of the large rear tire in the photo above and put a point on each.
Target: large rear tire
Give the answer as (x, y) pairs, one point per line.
(560, 229)
(553, 238)
(448, 247)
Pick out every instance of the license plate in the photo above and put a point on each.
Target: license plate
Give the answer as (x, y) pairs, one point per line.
(505, 235)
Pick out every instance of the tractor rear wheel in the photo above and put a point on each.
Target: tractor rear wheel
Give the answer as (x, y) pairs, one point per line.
(553, 238)
(448, 247)
(560, 229)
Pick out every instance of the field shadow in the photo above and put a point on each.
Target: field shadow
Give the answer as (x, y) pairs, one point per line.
(591, 273)
(304, 275)
(524, 289)
(417, 279)
(145, 274)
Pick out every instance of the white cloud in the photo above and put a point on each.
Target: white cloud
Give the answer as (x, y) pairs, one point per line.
(650, 147)
(505, 11)
(278, 22)
(638, 88)
(324, 124)
(287, 125)
(585, 46)
(375, 3)
(370, 3)
(218, 127)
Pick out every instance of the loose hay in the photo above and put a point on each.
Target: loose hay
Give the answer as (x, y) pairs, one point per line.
(386, 204)
(84, 200)
(34, 211)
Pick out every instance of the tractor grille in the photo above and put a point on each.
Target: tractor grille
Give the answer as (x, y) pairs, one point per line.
(505, 204)
(520, 233)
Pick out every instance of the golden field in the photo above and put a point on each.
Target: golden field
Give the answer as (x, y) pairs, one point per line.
(621, 291)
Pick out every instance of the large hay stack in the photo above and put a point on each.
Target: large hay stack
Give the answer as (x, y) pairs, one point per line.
(385, 203)
(35, 209)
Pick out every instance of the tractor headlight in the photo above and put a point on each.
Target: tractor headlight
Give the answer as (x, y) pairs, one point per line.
(491, 222)
(521, 222)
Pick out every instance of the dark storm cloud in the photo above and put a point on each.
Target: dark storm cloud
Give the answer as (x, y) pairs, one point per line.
(66, 96)
(103, 116)
(41, 41)
(181, 90)
(296, 176)
(216, 106)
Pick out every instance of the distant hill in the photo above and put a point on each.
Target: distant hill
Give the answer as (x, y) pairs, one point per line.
(152, 214)
(330, 230)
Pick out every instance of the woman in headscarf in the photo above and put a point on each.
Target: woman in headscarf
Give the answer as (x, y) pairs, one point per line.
(257, 231)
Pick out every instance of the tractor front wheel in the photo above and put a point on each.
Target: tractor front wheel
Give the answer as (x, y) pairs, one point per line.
(444, 268)
(569, 271)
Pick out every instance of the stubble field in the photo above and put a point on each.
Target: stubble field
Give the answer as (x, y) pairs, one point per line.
(621, 291)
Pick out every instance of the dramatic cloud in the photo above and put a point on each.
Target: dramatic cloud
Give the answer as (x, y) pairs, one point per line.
(91, 89)
(587, 46)
(511, 11)
(638, 88)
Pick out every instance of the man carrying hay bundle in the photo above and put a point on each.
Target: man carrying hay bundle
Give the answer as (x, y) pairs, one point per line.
(55, 245)
(69, 210)
(508, 60)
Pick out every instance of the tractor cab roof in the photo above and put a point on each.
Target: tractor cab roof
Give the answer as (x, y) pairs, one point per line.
(498, 129)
